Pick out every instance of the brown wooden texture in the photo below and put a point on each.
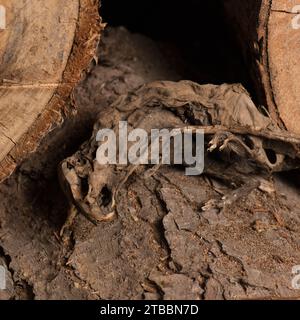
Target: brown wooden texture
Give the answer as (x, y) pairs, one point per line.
(269, 34)
(44, 50)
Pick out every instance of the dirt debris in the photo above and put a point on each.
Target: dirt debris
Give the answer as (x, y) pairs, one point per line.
(32, 206)
(163, 245)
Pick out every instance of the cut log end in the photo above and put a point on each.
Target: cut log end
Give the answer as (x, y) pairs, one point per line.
(268, 32)
(44, 50)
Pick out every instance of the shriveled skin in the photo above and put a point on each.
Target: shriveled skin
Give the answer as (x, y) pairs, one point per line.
(242, 143)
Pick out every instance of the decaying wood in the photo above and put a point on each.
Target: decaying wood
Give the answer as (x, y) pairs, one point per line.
(44, 50)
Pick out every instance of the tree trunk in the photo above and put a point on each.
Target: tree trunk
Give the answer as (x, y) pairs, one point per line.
(269, 34)
(44, 48)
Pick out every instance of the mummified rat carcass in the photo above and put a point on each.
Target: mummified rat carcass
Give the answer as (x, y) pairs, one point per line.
(242, 143)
